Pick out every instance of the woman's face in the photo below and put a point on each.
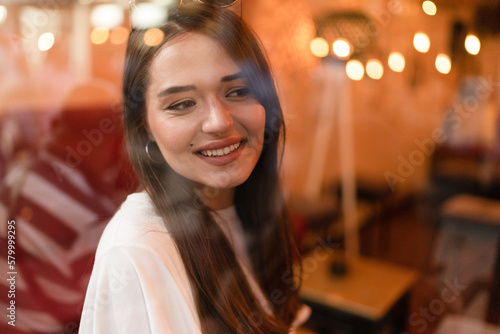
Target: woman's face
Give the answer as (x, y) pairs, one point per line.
(201, 113)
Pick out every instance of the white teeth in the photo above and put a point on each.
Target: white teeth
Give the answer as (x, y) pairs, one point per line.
(221, 151)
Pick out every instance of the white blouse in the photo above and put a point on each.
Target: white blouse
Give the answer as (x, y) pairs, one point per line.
(139, 284)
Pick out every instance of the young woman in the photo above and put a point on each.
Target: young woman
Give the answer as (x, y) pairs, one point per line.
(206, 247)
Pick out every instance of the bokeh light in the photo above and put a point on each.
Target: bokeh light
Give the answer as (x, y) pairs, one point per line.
(148, 15)
(119, 35)
(341, 48)
(3, 14)
(355, 70)
(153, 37)
(46, 41)
(319, 47)
(443, 63)
(421, 42)
(472, 44)
(99, 35)
(396, 62)
(429, 8)
(109, 16)
(374, 69)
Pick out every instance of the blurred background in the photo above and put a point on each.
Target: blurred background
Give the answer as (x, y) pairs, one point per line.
(392, 151)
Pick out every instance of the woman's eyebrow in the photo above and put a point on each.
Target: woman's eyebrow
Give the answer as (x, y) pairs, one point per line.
(232, 77)
(175, 89)
(179, 89)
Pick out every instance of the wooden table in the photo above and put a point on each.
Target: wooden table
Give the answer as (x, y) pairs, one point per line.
(370, 294)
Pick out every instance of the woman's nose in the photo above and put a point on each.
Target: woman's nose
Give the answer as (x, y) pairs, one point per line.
(218, 118)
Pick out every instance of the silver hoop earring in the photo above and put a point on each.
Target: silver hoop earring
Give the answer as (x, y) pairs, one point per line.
(147, 152)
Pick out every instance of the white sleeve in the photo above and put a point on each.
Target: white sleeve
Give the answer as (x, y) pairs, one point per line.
(134, 290)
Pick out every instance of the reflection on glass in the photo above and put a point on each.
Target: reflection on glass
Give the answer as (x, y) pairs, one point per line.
(153, 37)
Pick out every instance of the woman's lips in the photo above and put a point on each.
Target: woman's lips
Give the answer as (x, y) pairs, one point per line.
(217, 144)
(222, 155)
(219, 152)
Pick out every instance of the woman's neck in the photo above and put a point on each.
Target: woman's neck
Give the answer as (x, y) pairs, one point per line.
(216, 198)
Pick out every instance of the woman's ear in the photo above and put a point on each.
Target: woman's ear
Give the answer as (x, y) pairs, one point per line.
(150, 135)
(148, 130)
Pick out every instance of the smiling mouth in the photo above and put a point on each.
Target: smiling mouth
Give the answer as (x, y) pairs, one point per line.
(220, 152)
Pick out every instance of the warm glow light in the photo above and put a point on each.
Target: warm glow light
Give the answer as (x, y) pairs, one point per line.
(3, 14)
(109, 16)
(99, 35)
(421, 42)
(355, 70)
(374, 69)
(341, 48)
(153, 37)
(443, 63)
(46, 41)
(429, 8)
(148, 15)
(319, 47)
(472, 44)
(119, 35)
(396, 62)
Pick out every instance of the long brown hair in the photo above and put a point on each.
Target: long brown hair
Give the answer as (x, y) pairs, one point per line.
(223, 297)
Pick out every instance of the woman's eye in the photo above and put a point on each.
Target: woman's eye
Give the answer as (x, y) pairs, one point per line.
(182, 105)
(240, 92)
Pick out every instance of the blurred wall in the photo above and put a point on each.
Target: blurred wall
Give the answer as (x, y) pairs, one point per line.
(394, 118)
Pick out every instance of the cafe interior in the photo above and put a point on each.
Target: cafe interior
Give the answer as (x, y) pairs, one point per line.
(391, 165)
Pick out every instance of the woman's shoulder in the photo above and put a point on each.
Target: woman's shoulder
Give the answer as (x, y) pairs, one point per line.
(136, 255)
(135, 225)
